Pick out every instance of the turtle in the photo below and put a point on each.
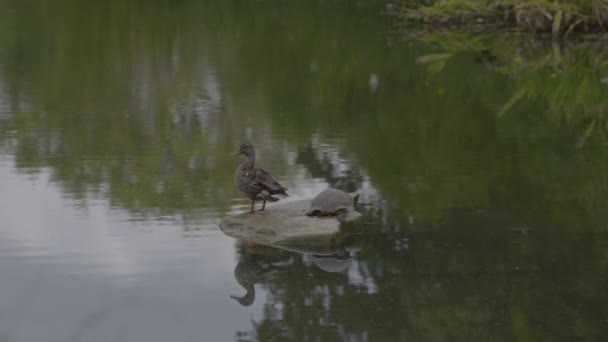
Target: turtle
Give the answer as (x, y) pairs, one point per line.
(332, 202)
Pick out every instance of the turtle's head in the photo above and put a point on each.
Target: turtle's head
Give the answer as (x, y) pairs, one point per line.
(355, 200)
(341, 217)
(245, 149)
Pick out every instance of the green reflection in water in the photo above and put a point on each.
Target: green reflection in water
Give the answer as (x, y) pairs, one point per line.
(490, 218)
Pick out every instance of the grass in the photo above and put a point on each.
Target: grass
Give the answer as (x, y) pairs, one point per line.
(558, 18)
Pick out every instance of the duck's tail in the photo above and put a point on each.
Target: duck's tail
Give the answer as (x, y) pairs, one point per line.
(280, 192)
(267, 196)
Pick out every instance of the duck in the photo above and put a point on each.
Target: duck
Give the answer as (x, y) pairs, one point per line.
(256, 184)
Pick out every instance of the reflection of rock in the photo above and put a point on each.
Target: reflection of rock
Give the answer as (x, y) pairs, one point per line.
(258, 264)
(334, 263)
(320, 164)
(286, 225)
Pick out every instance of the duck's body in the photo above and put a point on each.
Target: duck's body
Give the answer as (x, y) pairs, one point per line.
(256, 184)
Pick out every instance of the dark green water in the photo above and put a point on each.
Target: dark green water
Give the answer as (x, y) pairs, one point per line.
(482, 221)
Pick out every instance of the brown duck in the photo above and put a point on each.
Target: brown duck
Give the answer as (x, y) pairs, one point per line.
(256, 184)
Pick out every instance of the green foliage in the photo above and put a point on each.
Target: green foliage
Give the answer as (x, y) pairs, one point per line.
(560, 18)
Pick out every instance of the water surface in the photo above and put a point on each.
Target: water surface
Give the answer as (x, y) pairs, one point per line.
(482, 173)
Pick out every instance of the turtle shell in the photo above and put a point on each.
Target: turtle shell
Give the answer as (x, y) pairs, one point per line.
(331, 264)
(329, 202)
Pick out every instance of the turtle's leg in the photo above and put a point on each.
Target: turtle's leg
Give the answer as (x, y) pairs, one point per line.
(264, 205)
(341, 216)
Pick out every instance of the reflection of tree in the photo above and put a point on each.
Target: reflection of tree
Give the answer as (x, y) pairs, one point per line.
(157, 139)
(464, 281)
(137, 108)
(127, 118)
(568, 76)
(324, 167)
(149, 117)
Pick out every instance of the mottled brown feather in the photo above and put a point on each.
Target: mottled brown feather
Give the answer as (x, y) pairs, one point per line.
(256, 184)
(265, 179)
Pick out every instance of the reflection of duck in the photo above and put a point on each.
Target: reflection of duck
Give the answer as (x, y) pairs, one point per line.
(250, 271)
(256, 184)
(261, 263)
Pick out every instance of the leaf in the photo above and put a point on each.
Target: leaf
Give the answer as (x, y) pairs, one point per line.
(437, 66)
(572, 27)
(587, 133)
(513, 100)
(433, 58)
(557, 23)
(545, 13)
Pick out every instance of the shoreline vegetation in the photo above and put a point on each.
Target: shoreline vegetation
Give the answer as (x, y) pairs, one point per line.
(553, 51)
(560, 19)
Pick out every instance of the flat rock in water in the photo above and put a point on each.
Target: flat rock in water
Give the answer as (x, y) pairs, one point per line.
(286, 225)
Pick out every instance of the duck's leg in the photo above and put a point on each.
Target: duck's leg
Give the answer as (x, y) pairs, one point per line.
(264, 205)
(252, 207)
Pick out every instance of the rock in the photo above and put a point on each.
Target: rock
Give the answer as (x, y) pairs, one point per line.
(286, 225)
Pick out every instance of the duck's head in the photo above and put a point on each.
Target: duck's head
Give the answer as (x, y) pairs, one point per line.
(246, 149)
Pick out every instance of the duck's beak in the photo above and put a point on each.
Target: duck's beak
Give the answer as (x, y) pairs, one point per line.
(235, 153)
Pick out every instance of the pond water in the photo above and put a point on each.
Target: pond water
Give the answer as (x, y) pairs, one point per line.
(483, 175)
